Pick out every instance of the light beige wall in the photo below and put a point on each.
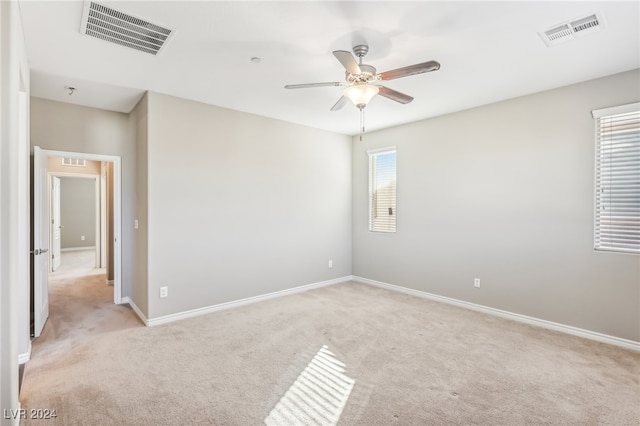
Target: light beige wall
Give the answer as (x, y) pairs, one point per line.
(241, 205)
(67, 127)
(504, 192)
(77, 212)
(139, 121)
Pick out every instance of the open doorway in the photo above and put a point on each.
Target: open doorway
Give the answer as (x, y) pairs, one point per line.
(81, 210)
(78, 214)
(90, 226)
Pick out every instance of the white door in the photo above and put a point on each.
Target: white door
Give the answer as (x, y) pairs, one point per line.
(40, 241)
(56, 228)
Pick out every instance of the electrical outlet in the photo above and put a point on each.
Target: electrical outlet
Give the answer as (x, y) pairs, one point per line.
(81, 237)
(330, 263)
(164, 291)
(476, 282)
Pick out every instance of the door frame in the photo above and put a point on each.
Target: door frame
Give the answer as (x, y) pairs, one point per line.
(100, 218)
(117, 209)
(55, 248)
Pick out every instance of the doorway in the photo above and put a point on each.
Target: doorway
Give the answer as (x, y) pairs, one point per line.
(105, 235)
(81, 210)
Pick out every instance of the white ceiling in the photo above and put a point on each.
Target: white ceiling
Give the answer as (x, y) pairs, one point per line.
(489, 51)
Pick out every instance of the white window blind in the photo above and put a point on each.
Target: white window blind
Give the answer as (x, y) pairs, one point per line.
(382, 190)
(617, 198)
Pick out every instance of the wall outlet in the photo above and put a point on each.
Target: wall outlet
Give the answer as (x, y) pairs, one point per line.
(81, 237)
(164, 292)
(330, 263)
(135, 224)
(476, 282)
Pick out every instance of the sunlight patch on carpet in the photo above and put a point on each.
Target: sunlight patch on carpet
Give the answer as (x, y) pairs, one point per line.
(318, 395)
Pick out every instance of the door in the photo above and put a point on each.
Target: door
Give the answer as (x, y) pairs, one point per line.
(56, 228)
(40, 241)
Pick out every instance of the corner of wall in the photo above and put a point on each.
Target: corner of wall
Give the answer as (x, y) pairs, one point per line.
(139, 122)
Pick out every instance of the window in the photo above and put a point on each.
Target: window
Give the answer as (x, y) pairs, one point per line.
(617, 186)
(382, 190)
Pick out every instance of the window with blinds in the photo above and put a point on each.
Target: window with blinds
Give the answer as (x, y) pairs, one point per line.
(382, 190)
(617, 185)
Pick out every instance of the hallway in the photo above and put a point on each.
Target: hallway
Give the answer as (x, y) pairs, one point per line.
(81, 308)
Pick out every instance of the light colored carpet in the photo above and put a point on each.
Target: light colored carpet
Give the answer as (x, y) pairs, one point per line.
(414, 362)
(80, 307)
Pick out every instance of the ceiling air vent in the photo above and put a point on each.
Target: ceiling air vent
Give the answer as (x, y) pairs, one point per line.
(125, 30)
(569, 30)
(559, 33)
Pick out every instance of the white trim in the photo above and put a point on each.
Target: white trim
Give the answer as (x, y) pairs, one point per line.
(127, 300)
(117, 229)
(74, 175)
(242, 302)
(620, 109)
(379, 150)
(23, 225)
(78, 248)
(575, 331)
(25, 357)
(86, 156)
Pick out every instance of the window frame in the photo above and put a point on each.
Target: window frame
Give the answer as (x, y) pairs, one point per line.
(372, 155)
(599, 115)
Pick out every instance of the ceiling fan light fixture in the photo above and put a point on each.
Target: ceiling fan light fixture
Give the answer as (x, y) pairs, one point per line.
(361, 94)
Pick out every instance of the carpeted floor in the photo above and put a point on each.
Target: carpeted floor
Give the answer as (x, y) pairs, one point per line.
(80, 306)
(413, 362)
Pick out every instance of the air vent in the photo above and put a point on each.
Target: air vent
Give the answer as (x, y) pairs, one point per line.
(76, 162)
(584, 24)
(125, 30)
(569, 30)
(559, 33)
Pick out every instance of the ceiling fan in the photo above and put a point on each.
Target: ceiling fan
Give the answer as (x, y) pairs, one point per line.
(359, 78)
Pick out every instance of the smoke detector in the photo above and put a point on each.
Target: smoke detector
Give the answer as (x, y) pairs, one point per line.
(570, 30)
(117, 27)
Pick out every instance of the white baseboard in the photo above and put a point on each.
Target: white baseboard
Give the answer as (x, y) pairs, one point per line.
(78, 248)
(126, 300)
(591, 335)
(25, 357)
(242, 302)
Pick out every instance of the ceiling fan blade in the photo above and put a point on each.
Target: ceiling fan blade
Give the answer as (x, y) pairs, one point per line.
(410, 70)
(303, 86)
(348, 61)
(341, 102)
(394, 95)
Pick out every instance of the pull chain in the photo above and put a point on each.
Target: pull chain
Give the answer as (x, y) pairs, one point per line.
(361, 123)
